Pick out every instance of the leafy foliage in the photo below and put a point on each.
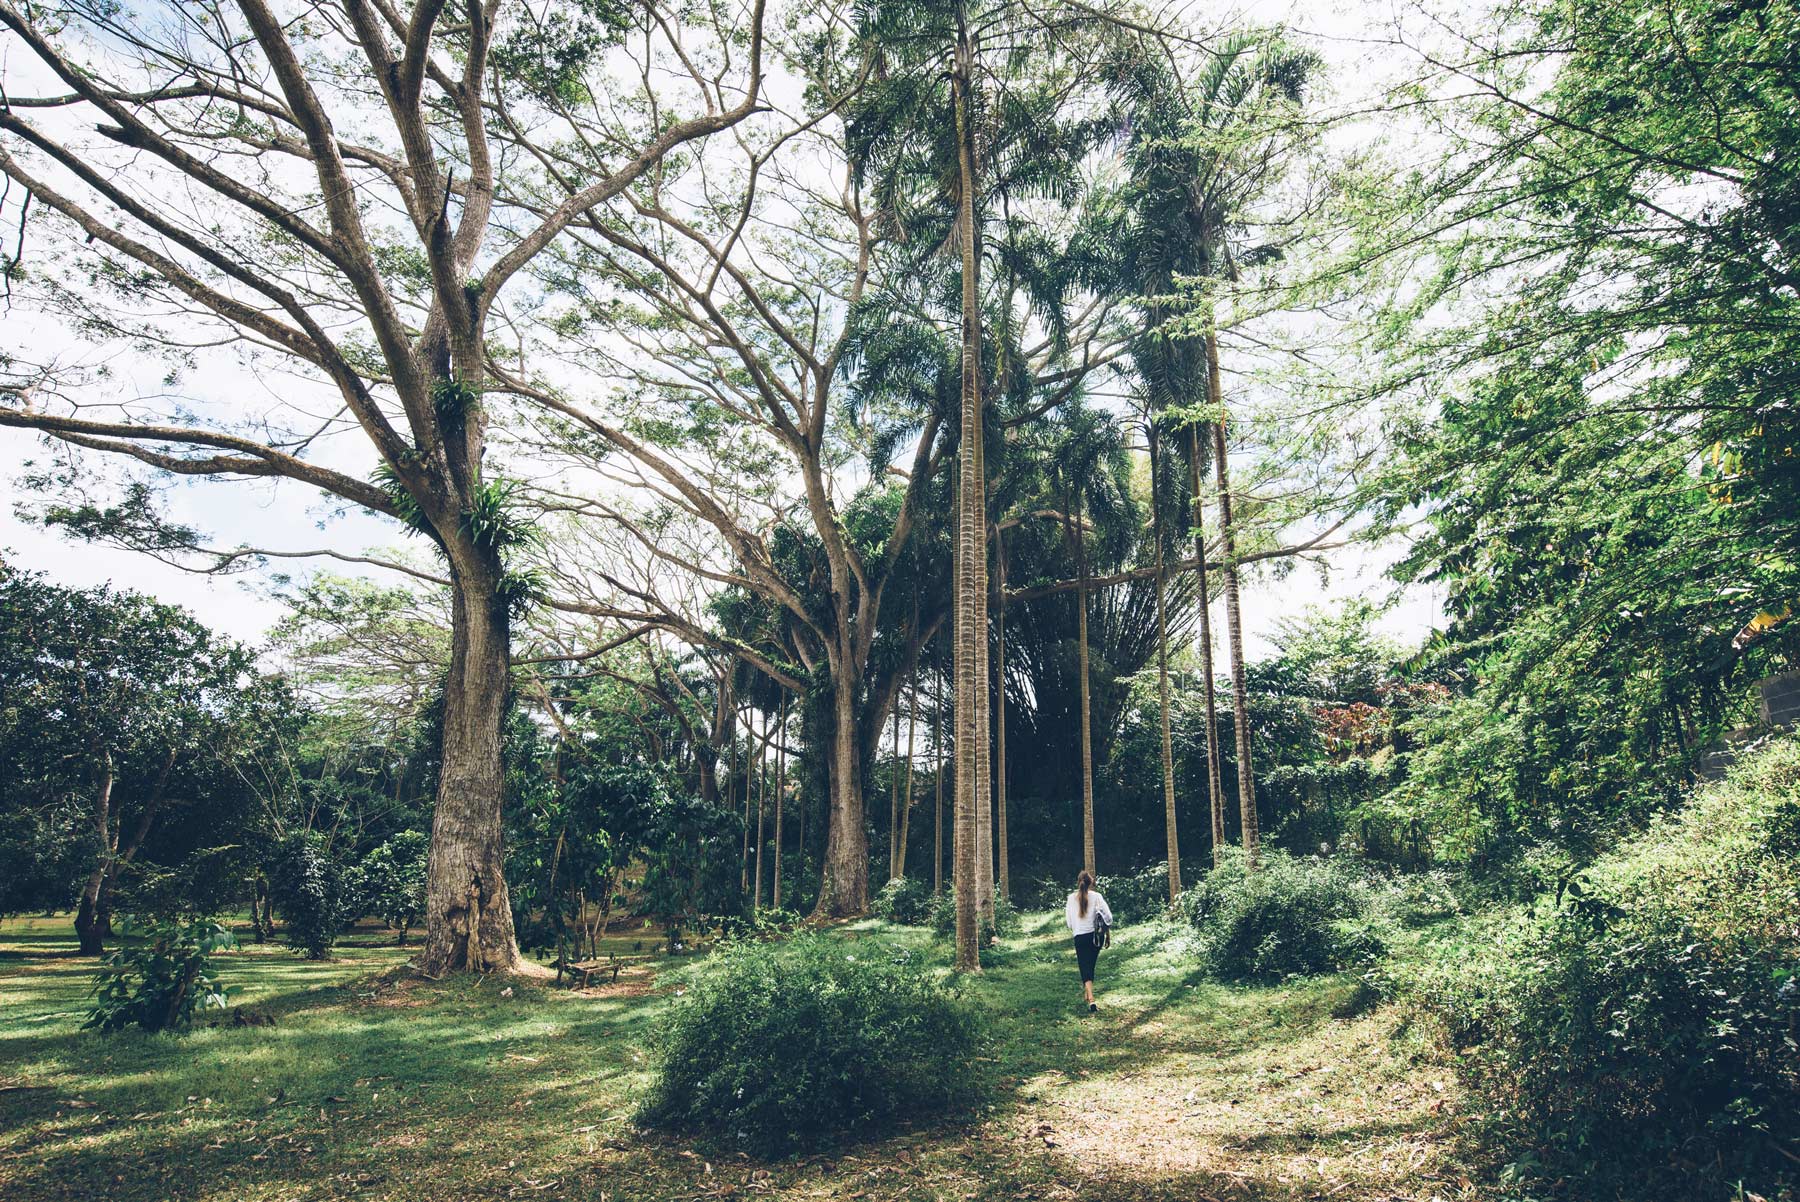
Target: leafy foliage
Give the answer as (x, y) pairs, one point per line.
(1640, 1029)
(389, 882)
(159, 979)
(1292, 915)
(789, 1045)
(307, 888)
(904, 900)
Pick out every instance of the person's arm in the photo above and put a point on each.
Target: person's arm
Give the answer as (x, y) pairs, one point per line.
(1069, 914)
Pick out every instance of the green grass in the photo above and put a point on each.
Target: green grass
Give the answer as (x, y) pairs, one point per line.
(373, 1084)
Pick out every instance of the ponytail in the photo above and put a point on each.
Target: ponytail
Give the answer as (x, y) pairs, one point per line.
(1082, 886)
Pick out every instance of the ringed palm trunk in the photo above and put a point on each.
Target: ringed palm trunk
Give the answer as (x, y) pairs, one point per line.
(1000, 719)
(906, 798)
(896, 856)
(1215, 789)
(1087, 730)
(937, 814)
(1240, 692)
(1162, 675)
(468, 912)
(780, 795)
(971, 536)
(762, 800)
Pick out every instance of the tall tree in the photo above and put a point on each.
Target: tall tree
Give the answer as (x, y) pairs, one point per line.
(1200, 151)
(391, 318)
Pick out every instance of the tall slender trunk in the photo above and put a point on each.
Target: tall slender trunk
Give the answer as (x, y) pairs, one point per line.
(1162, 669)
(1087, 730)
(1240, 692)
(937, 813)
(780, 794)
(1215, 788)
(971, 534)
(1000, 716)
(894, 853)
(906, 800)
(90, 928)
(762, 799)
(468, 912)
(744, 864)
(844, 875)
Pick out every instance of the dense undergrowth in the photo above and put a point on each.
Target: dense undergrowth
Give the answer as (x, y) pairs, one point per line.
(1634, 1033)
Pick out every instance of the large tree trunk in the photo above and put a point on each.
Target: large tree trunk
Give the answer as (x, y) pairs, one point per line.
(1087, 730)
(468, 912)
(1162, 672)
(90, 920)
(1240, 692)
(844, 881)
(1215, 788)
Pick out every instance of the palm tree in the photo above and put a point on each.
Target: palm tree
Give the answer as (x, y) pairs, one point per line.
(1198, 153)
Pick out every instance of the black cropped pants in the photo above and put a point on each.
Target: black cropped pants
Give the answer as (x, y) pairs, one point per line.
(1087, 951)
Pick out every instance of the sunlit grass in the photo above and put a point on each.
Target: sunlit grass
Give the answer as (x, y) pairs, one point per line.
(374, 1084)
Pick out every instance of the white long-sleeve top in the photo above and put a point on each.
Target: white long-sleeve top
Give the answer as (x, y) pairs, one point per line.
(1083, 924)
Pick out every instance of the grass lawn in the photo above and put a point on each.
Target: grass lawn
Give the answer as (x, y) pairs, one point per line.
(374, 1085)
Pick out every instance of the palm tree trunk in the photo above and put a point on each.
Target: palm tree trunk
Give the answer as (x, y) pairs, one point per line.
(744, 868)
(906, 800)
(1162, 674)
(1000, 716)
(1240, 692)
(1215, 788)
(937, 814)
(971, 541)
(1087, 730)
(762, 797)
(894, 798)
(780, 794)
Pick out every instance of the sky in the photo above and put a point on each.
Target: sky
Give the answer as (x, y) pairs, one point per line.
(289, 516)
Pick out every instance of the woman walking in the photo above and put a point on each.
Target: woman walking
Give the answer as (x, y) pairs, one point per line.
(1088, 915)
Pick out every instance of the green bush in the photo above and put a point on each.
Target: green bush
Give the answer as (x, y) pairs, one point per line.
(791, 1045)
(1641, 1032)
(1291, 916)
(1006, 917)
(159, 979)
(307, 889)
(905, 901)
(390, 882)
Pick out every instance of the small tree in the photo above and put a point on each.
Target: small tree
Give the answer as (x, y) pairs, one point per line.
(306, 887)
(393, 881)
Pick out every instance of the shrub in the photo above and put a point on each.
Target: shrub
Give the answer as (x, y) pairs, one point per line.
(905, 901)
(790, 1045)
(306, 887)
(1290, 916)
(1641, 1029)
(159, 980)
(390, 881)
(1006, 917)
